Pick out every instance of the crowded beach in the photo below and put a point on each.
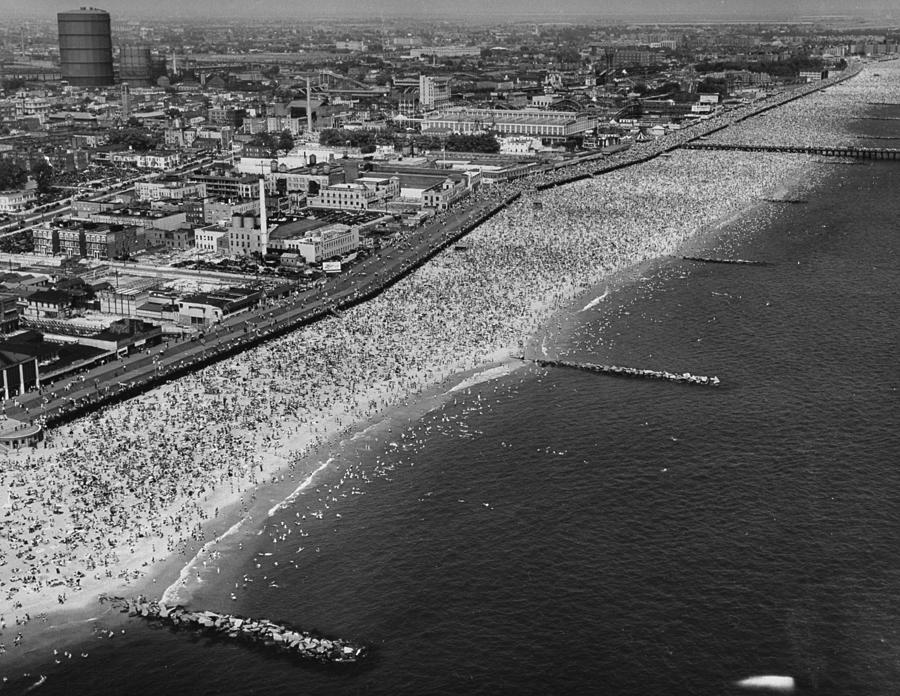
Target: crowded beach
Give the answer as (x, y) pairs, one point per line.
(104, 500)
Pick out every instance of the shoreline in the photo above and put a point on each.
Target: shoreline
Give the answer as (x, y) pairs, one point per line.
(314, 464)
(63, 628)
(417, 405)
(279, 480)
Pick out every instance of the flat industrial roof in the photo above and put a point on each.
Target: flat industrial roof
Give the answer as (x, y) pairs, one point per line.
(296, 228)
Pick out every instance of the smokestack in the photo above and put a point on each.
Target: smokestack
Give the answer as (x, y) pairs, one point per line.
(263, 221)
(308, 107)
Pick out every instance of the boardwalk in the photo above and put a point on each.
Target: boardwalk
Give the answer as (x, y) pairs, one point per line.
(122, 379)
(115, 381)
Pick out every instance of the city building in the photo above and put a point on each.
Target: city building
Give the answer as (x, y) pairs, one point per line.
(18, 200)
(159, 307)
(46, 240)
(362, 194)
(813, 75)
(445, 52)
(49, 304)
(429, 187)
(160, 160)
(71, 241)
(228, 184)
(205, 309)
(15, 434)
(176, 240)
(213, 238)
(126, 297)
(434, 92)
(351, 45)
(226, 116)
(442, 196)
(86, 239)
(556, 125)
(110, 242)
(325, 243)
(286, 232)
(21, 372)
(493, 168)
(303, 180)
(168, 189)
(219, 211)
(247, 234)
(9, 312)
(167, 218)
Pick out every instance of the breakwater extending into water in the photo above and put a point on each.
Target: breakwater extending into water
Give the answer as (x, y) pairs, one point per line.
(739, 262)
(259, 632)
(616, 370)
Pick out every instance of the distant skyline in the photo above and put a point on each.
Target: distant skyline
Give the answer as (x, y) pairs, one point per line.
(512, 9)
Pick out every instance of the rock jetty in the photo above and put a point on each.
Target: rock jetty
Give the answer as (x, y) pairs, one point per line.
(704, 259)
(683, 378)
(257, 631)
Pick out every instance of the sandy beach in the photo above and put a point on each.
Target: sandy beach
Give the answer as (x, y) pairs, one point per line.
(145, 496)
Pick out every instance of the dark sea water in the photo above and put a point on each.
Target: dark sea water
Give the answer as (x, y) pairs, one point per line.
(556, 531)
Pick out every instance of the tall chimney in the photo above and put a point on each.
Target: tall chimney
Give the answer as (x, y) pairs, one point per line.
(263, 221)
(308, 107)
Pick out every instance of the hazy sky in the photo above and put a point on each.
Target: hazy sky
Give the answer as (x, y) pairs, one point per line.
(661, 9)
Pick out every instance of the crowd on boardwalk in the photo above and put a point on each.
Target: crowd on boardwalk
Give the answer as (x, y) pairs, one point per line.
(824, 118)
(110, 494)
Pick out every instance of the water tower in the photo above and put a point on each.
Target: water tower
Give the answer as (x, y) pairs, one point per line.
(85, 47)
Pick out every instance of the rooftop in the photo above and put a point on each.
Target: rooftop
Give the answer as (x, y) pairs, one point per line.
(296, 228)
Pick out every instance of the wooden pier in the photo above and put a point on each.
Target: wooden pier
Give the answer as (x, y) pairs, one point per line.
(868, 153)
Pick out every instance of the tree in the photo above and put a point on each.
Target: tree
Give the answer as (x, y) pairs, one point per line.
(264, 140)
(665, 88)
(43, 174)
(136, 138)
(285, 140)
(711, 86)
(11, 84)
(336, 137)
(12, 174)
(473, 143)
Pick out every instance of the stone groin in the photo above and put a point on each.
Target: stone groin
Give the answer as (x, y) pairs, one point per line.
(739, 262)
(260, 632)
(682, 378)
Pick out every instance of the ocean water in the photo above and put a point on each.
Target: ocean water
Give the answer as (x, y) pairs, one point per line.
(557, 531)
